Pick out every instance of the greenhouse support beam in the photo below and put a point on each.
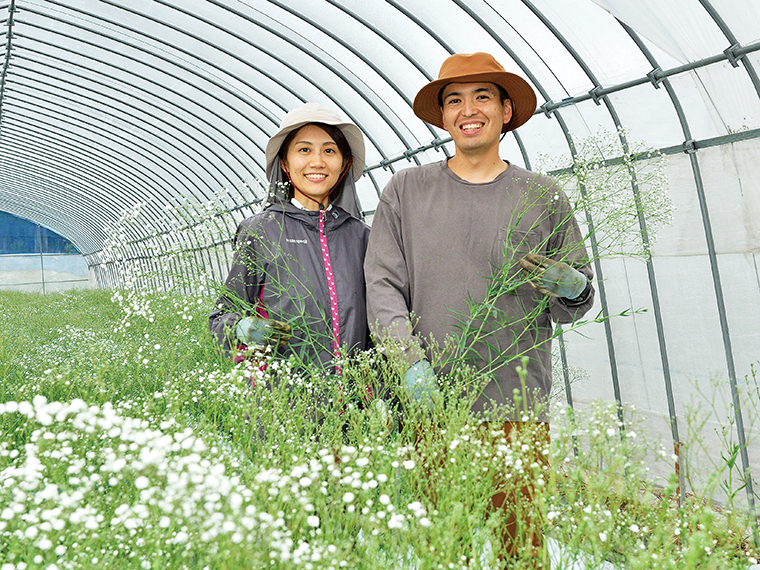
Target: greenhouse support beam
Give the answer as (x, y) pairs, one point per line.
(8, 49)
(106, 163)
(117, 111)
(191, 125)
(368, 135)
(42, 262)
(26, 146)
(159, 174)
(359, 54)
(159, 40)
(712, 254)
(734, 52)
(144, 62)
(600, 281)
(507, 48)
(36, 206)
(164, 71)
(654, 77)
(690, 147)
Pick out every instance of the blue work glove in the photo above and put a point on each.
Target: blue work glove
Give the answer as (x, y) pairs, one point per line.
(255, 331)
(555, 278)
(421, 384)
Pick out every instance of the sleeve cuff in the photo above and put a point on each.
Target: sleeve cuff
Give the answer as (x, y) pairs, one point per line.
(580, 299)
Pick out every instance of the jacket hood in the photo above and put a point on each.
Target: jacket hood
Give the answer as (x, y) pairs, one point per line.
(344, 196)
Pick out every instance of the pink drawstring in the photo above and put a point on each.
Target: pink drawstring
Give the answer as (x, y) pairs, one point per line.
(330, 287)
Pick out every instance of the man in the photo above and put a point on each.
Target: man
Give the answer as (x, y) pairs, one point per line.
(446, 243)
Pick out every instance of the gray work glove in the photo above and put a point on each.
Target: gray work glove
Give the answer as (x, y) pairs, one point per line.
(255, 331)
(555, 278)
(421, 384)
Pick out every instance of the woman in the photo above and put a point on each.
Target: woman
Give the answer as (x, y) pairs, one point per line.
(297, 281)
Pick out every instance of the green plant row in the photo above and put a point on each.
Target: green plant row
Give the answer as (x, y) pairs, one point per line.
(128, 441)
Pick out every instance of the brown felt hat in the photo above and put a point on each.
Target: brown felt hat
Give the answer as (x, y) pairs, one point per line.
(476, 68)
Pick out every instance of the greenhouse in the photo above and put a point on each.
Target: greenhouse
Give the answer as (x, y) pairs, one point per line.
(138, 132)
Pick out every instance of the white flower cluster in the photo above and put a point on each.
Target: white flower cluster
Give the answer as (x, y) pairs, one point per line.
(346, 474)
(174, 490)
(168, 246)
(621, 185)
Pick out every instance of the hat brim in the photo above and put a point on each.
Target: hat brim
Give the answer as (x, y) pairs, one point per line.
(521, 94)
(352, 133)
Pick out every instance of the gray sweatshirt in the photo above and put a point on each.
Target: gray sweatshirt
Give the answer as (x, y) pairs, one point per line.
(442, 264)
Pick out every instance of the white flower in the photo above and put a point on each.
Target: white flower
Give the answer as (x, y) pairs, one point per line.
(142, 482)
(348, 497)
(408, 464)
(424, 521)
(603, 536)
(385, 499)
(313, 521)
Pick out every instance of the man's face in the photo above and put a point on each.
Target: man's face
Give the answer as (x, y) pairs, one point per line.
(473, 115)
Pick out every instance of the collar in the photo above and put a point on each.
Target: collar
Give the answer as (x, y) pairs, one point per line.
(300, 206)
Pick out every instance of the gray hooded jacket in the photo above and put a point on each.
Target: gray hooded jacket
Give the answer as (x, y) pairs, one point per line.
(279, 266)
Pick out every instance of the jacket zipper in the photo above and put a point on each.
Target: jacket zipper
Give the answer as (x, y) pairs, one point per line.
(330, 287)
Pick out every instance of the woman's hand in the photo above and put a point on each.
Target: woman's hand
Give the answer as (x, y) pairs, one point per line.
(255, 331)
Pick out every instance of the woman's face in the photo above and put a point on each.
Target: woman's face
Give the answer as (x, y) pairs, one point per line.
(314, 164)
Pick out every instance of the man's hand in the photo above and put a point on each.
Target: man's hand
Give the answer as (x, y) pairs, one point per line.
(255, 331)
(555, 278)
(421, 383)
